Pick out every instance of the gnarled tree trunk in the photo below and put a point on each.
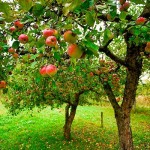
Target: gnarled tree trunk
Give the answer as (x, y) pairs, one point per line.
(124, 130)
(70, 112)
(69, 117)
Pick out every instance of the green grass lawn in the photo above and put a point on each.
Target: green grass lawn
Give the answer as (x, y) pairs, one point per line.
(44, 130)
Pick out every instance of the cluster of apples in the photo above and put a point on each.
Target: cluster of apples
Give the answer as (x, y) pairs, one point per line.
(2, 84)
(23, 38)
(147, 48)
(50, 35)
(48, 70)
(13, 52)
(73, 50)
(124, 5)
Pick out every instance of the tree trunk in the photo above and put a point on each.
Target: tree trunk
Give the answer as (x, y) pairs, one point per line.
(124, 130)
(69, 117)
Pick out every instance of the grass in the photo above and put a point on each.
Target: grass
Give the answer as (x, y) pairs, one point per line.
(44, 130)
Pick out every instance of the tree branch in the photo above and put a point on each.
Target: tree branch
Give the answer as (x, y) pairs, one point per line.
(111, 55)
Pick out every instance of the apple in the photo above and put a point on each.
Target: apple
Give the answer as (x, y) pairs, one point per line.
(91, 74)
(55, 32)
(51, 41)
(74, 51)
(121, 8)
(126, 5)
(48, 32)
(51, 70)
(11, 50)
(118, 99)
(15, 55)
(147, 49)
(2, 84)
(109, 17)
(43, 71)
(23, 38)
(122, 1)
(140, 20)
(148, 44)
(18, 24)
(70, 37)
(12, 29)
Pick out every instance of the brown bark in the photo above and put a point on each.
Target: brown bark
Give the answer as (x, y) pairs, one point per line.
(68, 121)
(69, 116)
(124, 130)
(122, 113)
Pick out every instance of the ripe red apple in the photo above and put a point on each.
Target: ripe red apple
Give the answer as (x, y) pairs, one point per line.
(15, 55)
(91, 74)
(18, 24)
(70, 37)
(51, 41)
(23, 38)
(74, 51)
(140, 20)
(122, 1)
(2, 84)
(11, 50)
(51, 70)
(48, 32)
(126, 5)
(148, 44)
(43, 71)
(147, 49)
(12, 29)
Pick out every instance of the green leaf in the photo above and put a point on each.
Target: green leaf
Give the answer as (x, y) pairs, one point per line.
(5, 8)
(123, 15)
(25, 4)
(15, 44)
(2, 19)
(57, 56)
(54, 85)
(92, 47)
(37, 10)
(138, 1)
(40, 42)
(89, 18)
(33, 64)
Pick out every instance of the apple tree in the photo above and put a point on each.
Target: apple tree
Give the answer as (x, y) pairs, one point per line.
(89, 28)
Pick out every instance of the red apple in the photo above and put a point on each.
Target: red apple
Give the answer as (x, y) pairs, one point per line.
(91, 74)
(23, 38)
(148, 44)
(126, 5)
(18, 24)
(11, 50)
(140, 20)
(70, 37)
(15, 55)
(2, 84)
(74, 51)
(43, 71)
(121, 8)
(48, 32)
(51, 70)
(12, 29)
(147, 49)
(51, 41)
